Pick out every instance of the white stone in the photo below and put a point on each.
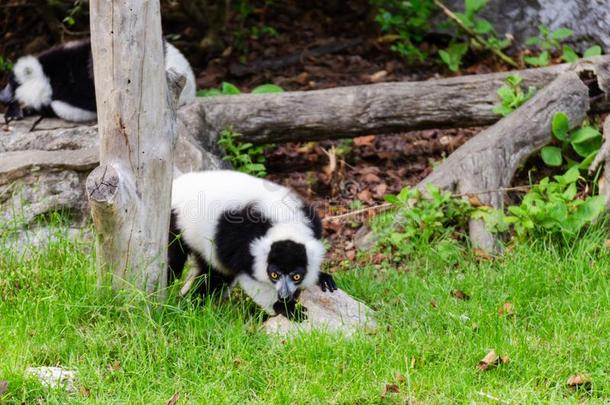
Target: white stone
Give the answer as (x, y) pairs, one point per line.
(334, 312)
(54, 377)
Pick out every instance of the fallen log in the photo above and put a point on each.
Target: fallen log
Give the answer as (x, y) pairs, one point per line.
(344, 112)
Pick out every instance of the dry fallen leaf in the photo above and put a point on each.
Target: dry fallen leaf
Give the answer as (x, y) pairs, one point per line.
(607, 243)
(473, 199)
(460, 295)
(115, 366)
(3, 387)
(390, 388)
(174, 399)
(399, 377)
(85, 392)
(506, 309)
(378, 76)
(490, 360)
(434, 303)
(481, 254)
(578, 380)
(364, 140)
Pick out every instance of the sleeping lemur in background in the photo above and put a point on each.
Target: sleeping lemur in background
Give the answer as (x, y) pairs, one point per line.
(59, 82)
(246, 230)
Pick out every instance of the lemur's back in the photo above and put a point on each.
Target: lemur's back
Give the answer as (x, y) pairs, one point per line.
(201, 199)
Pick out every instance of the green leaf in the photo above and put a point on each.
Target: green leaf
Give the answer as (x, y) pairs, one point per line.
(229, 89)
(392, 199)
(483, 26)
(584, 134)
(541, 60)
(507, 94)
(595, 50)
(532, 41)
(569, 55)
(514, 80)
(560, 126)
(569, 177)
(584, 149)
(474, 6)
(584, 165)
(561, 33)
(502, 110)
(551, 155)
(267, 88)
(591, 209)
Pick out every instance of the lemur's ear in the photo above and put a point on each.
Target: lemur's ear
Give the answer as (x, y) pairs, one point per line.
(260, 248)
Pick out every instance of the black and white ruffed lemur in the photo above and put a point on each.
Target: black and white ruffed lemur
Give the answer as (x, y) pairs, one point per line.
(59, 82)
(249, 231)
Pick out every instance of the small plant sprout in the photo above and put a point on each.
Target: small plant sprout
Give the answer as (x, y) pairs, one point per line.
(512, 95)
(549, 41)
(244, 157)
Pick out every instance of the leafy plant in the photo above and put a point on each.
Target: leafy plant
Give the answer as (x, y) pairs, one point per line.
(584, 142)
(405, 23)
(512, 95)
(228, 89)
(554, 207)
(74, 12)
(452, 56)
(422, 219)
(244, 157)
(550, 41)
(482, 33)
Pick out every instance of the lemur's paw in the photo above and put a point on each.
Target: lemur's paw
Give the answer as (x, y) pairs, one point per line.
(326, 282)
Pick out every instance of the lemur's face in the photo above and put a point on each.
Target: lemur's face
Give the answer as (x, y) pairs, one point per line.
(287, 268)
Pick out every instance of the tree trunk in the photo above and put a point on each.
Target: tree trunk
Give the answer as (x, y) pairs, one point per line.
(130, 191)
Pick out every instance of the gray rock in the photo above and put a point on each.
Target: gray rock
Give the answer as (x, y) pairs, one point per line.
(44, 170)
(589, 19)
(334, 312)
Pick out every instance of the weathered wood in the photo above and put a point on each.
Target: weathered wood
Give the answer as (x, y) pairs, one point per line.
(130, 192)
(351, 111)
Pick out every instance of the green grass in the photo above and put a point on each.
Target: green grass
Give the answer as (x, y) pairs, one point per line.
(51, 314)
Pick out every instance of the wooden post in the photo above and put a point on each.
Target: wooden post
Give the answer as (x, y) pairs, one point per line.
(130, 191)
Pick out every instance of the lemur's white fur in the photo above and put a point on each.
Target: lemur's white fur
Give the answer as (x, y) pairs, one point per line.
(70, 113)
(175, 60)
(199, 199)
(35, 89)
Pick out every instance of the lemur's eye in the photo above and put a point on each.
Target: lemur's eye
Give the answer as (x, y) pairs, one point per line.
(296, 277)
(274, 275)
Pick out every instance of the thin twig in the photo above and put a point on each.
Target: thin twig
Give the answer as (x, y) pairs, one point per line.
(474, 35)
(386, 206)
(380, 207)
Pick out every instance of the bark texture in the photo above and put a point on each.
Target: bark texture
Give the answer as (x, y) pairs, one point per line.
(130, 191)
(358, 110)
